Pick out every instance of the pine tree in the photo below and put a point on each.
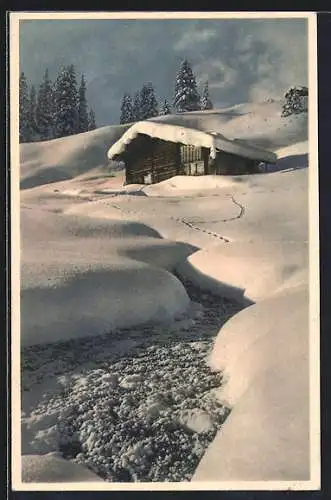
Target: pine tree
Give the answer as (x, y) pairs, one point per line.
(205, 102)
(148, 102)
(186, 94)
(66, 102)
(126, 109)
(91, 120)
(32, 115)
(165, 109)
(295, 101)
(136, 107)
(45, 109)
(24, 124)
(83, 122)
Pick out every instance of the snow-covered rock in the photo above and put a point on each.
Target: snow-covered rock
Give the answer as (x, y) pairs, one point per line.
(196, 420)
(51, 468)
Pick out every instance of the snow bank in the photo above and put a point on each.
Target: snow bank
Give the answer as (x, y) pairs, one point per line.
(248, 269)
(67, 157)
(214, 141)
(263, 353)
(266, 437)
(117, 295)
(184, 185)
(249, 343)
(84, 276)
(51, 468)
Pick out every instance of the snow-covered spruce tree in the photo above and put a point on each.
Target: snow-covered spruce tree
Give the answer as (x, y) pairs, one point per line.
(165, 109)
(205, 102)
(91, 120)
(66, 102)
(296, 101)
(82, 107)
(32, 115)
(45, 109)
(136, 107)
(186, 94)
(126, 109)
(24, 105)
(148, 102)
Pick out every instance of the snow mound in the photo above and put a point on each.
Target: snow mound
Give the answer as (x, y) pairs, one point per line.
(183, 184)
(248, 269)
(266, 436)
(108, 297)
(67, 157)
(81, 277)
(51, 468)
(249, 343)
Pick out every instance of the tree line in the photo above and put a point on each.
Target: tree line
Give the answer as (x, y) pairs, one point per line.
(56, 109)
(144, 105)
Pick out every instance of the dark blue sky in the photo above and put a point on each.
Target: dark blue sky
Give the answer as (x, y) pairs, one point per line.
(243, 60)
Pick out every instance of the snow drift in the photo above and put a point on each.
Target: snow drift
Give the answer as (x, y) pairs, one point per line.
(266, 437)
(249, 343)
(248, 269)
(68, 157)
(78, 279)
(51, 468)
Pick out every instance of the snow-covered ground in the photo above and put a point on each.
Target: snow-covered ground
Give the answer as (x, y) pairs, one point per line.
(127, 368)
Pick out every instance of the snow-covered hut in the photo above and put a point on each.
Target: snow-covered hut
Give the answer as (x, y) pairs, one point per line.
(153, 152)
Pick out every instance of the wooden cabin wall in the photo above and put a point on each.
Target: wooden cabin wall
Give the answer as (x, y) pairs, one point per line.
(230, 164)
(151, 158)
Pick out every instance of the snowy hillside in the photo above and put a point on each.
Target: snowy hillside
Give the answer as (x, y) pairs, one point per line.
(260, 123)
(65, 158)
(164, 328)
(86, 154)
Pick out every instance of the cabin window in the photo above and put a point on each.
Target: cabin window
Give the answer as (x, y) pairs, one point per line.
(148, 178)
(192, 160)
(190, 154)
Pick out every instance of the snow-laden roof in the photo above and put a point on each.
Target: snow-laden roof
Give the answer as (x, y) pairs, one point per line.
(189, 136)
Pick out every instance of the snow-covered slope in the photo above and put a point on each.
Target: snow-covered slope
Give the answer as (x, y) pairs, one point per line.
(68, 157)
(259, 123)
